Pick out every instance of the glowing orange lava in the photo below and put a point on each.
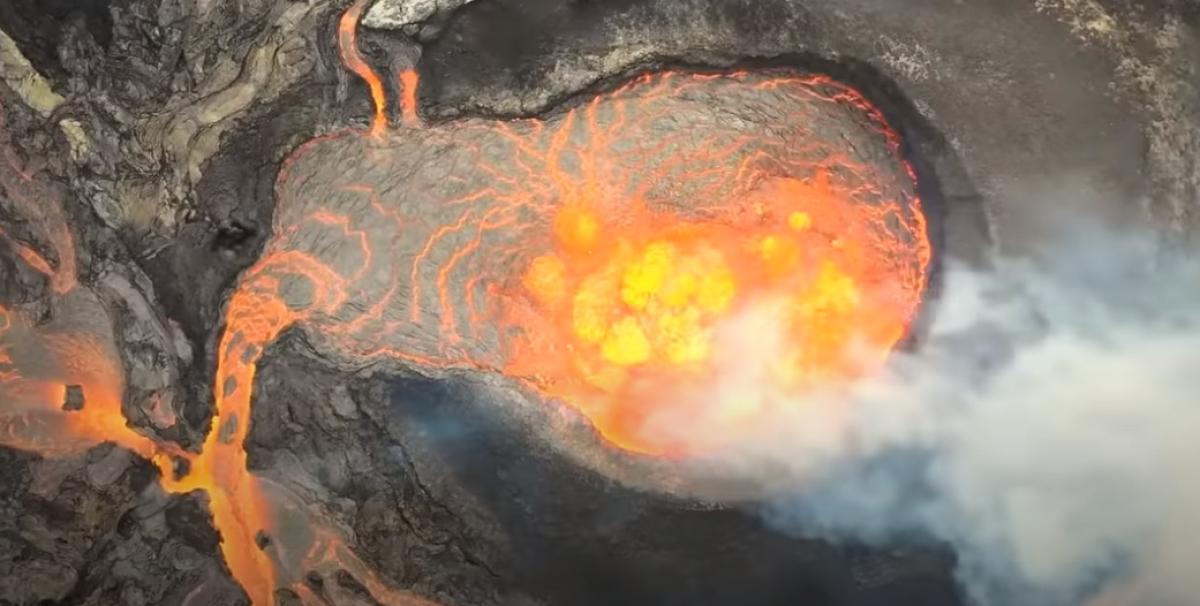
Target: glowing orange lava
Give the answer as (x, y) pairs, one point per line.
(39, 360)
(623, 258)
(409, 79)
(627, 319)
(615, 257)
(348, 46)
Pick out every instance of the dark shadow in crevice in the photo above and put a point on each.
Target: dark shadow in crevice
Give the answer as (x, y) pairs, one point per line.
(575, 537)
(37, 27)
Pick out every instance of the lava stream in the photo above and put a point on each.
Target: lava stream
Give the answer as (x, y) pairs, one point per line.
(616, 257)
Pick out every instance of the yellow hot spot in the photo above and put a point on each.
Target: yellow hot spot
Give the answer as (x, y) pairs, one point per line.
(768, 247)
(626, 343)
(545, 279)
(717, 289)
(833, 291)
(576, 228)
(645, 277)
(682, 337)
(821, 316)
(779, 254)
(799, 220)
(593, 307)
(679, 289)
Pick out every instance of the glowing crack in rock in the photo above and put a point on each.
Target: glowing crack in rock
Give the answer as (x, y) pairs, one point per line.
(599, 256)
(605, 257)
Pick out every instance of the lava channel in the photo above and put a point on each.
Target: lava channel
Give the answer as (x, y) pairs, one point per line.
(603, 257)
(624, 257)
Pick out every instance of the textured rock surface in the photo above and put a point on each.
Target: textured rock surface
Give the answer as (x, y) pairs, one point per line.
(447, 492)
(396, 14)
(423, 265)
(95, 529)
(161, 126)
(1007, 98)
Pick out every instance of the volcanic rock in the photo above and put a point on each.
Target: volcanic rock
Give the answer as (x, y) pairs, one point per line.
(396, 14)
(155, 134)
(74, 398)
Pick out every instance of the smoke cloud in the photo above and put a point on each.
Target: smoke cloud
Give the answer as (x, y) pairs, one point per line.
(1046, 430)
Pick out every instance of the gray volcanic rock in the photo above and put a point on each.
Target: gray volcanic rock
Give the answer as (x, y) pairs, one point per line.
(1089, 106)
(451, 495)
(161, 127)
(94, 529)
(397, 14)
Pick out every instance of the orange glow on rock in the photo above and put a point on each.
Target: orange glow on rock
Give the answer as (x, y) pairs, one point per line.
(638, 309)
(577, 228)
(348, 47)
(255, 316)
(622, 258)
(39, 360)
(38, 364)
(600, 258)
(41, 201)
(409, 80)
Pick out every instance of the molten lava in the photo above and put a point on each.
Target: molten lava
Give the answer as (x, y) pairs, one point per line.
(628, 316)
(621, 257)
(602, 257)
(39, 361)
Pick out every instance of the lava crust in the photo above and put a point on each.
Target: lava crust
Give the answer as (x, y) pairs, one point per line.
(604, 246)
(431, 246)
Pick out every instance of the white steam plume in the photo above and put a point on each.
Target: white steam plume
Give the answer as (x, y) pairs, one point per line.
(1046, 430)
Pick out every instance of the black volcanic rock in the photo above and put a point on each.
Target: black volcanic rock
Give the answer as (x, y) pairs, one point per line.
(74, 398)
(165, 136)
(95, 529)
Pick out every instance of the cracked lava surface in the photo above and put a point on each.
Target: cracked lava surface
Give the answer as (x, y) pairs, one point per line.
(616, 256)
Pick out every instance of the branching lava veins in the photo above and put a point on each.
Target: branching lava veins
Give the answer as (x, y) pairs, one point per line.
(602, 257)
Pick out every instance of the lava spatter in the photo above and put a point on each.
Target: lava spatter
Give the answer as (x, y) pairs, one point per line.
(601, 257)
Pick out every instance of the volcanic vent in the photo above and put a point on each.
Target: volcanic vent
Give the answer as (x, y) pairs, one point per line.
(640, 256)
(508, 302)
(597, 254)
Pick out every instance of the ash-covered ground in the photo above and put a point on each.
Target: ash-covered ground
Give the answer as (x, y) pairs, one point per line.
(158, 130)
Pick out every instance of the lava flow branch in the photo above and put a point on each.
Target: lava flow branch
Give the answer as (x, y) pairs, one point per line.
(622, 257)
(61, 382)
(604, 257)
